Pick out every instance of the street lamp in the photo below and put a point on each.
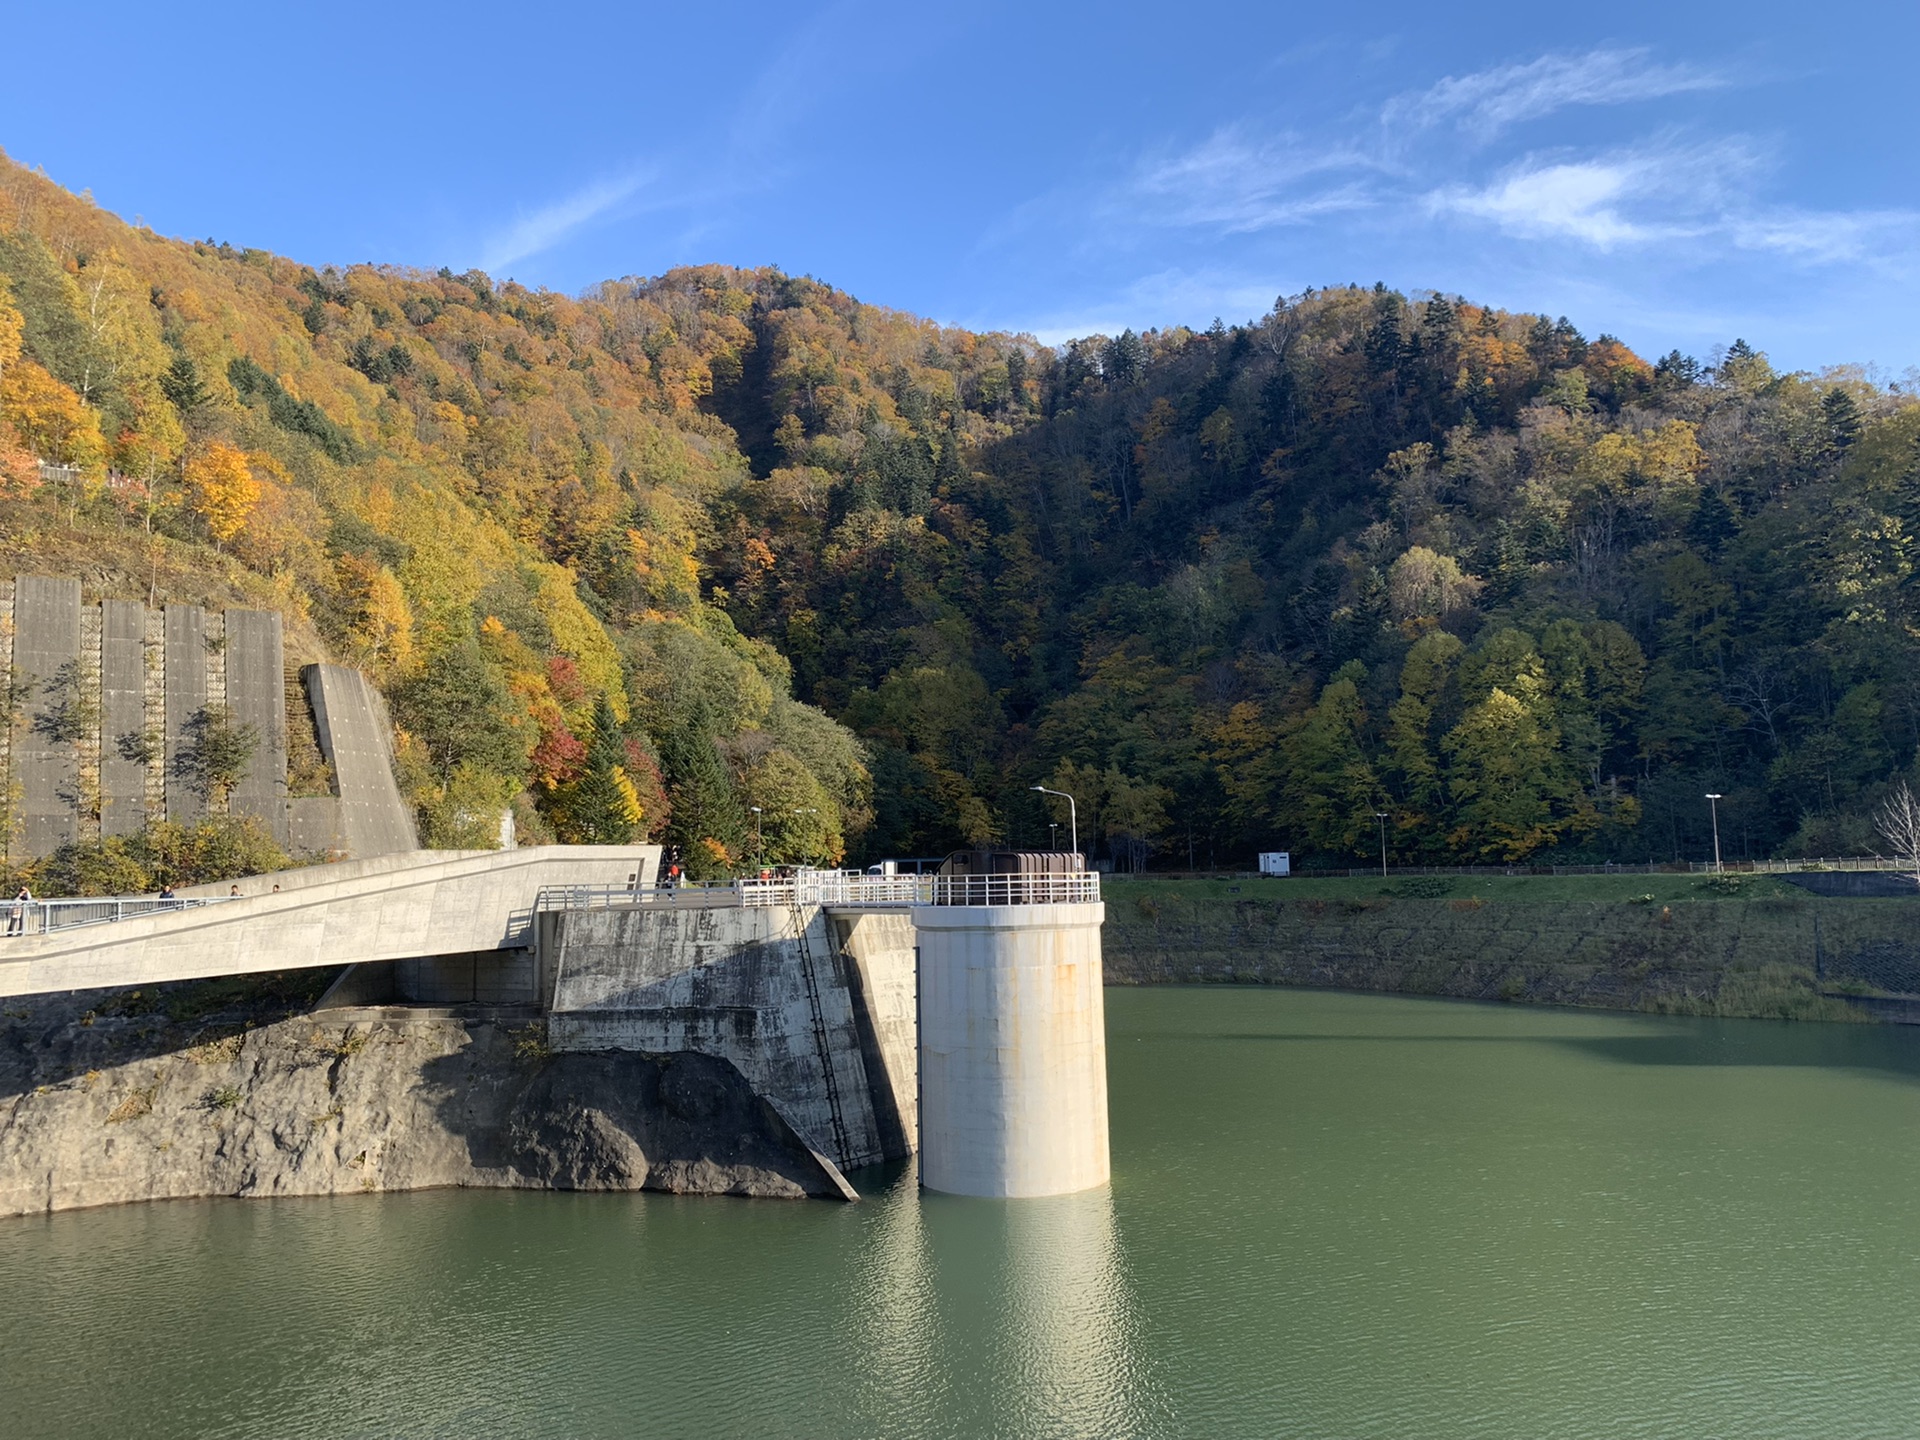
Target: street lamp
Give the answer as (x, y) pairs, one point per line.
(1053, 835)
(804, 810)
(1073, 814)
(1381, 816)
(759, 856)
(1713, 804)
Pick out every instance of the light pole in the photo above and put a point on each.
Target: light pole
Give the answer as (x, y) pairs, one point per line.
(804, 810)
(1381, 816)
(1713, 804)
(1073, 814)
(1053, 835)
(759, 856)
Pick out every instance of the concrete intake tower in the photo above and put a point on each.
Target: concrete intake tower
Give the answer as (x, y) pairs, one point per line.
(1013, 1048)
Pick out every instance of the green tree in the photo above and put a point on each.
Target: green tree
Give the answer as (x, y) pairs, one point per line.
(708, 827)
(799, 821)
(459, 710)
(1413, 760)
(1508, 783)
(601, 807)
(1332, 790)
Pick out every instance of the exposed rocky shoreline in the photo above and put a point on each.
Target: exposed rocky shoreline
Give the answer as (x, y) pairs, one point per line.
(239, 1088)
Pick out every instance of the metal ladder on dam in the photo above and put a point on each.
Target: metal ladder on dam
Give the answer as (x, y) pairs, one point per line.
(821, 1043)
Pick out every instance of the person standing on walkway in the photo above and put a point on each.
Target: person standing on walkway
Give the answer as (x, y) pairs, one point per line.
(17, 917)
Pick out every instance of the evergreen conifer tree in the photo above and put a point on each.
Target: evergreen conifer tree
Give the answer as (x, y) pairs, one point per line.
(708, 827)
(601, 807)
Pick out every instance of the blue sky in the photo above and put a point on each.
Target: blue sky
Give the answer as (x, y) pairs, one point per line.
(1676, 174)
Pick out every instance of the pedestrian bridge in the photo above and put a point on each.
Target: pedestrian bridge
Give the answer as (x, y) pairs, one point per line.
(392, 907)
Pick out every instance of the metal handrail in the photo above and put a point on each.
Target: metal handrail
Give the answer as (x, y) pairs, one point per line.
(42, 917)
(836, 887)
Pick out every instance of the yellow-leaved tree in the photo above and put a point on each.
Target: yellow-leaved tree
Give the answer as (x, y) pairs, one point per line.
(222, 490)
(17, 472)
(379, 619)
(49, 418)
(12, 327)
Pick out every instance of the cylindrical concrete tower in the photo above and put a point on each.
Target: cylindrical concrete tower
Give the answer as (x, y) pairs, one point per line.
(1013, 1049)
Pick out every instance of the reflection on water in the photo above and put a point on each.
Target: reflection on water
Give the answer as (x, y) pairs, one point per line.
(1065, 1335)
(1331, 1215)
(1030, 1292)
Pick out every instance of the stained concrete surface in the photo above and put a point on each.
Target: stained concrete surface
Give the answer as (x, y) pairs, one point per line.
(827, 1039)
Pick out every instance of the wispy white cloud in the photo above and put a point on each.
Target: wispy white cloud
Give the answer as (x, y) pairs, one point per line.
(1583, 201)
(1163, 297)
(1489, 101)
(547, 227)
(1705, 194)
(1635, 216)
(1828, 237)
(1237, 182)
(1619, 198)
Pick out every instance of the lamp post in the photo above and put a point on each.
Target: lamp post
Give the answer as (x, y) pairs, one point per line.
(1381, 816)
(804, 810)
(1713, 805)
(759, 856)
(1073, 814)
(1053, 835)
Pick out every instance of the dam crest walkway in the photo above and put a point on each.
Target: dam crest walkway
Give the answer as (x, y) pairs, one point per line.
(392, 907)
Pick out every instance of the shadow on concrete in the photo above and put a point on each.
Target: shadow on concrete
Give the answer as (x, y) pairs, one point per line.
(682, 1123)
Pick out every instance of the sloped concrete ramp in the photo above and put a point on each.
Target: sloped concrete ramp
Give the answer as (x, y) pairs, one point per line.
(392, 907)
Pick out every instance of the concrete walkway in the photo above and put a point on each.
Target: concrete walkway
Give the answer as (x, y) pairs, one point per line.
(392, 907)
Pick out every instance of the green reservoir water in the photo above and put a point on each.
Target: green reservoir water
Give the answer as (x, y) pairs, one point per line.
(1332, 1215)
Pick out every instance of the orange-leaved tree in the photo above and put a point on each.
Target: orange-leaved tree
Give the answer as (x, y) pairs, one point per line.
(49, 418)
(222, 489)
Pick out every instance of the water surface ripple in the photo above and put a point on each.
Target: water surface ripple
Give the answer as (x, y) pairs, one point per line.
(1331, 1215)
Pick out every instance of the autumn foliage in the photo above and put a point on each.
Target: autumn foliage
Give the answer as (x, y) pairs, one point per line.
(638, 561)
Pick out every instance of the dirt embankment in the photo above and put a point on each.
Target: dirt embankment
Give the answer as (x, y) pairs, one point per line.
(1780, 957)
(234, 1088)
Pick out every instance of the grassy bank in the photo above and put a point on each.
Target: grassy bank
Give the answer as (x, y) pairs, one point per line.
(1525, 889)
(1673, 944)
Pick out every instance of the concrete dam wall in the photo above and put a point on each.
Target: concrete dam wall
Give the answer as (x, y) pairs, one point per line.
(815, 1006)
(111, 700)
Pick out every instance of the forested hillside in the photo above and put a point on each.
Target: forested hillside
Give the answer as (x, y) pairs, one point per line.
(641, 560)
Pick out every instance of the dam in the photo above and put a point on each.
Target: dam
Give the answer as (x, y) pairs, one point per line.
(957, 1017)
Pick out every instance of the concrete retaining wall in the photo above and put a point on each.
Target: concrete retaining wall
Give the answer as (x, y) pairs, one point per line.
(1788, 956)
(123, 717)
(820, 1034)
(879, 960)
(110, 695)
(256, 695)
(46, 661)
(357, 739)
(1856, 884)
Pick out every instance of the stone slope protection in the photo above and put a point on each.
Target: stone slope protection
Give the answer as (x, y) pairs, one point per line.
(115, 698)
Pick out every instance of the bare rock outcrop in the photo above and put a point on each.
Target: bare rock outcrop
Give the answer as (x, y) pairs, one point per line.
(225, 1089)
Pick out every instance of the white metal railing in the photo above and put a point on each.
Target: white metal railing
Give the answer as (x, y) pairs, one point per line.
(41, 917)
(1079, 888)
(837, 887)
